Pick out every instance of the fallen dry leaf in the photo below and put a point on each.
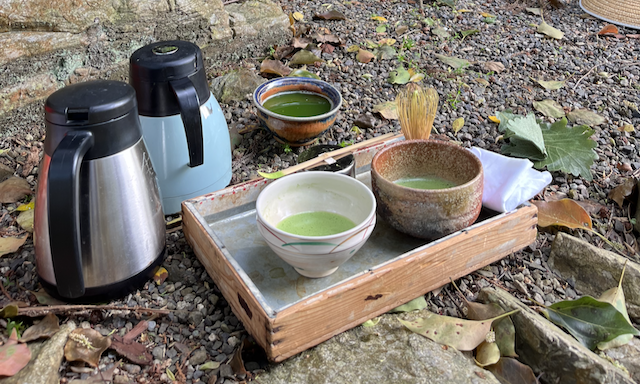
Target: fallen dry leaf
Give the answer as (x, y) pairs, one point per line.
(11, 244)
(493, 66)
(134, 351)
(594, 208)
(461, 334)
(25, 220)
(5, 171)
(326, 38)
(549, 108)
(353, 48)
(283, 51)
(236, 363)
(302, 72)
(327, 48)
(87, 345)
(388, 110)
(304, 57)
(14, 189)
(301, 42)
(45, 299)
(626, 128)
(274, 66)
(625, 167)
(32, 160)
(458, 124)
(550, 31)
(8, 311)
(160, 275)
(26, 207)
(550, 85)
(511, 371)
(13, 356)
(364, 56)
(586, 117)
(487, 354)
(330, 15)
(609, 28)
(47, 327)
(565, 212)
(622, 191)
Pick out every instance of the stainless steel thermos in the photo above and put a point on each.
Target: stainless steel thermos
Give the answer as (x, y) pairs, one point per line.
(99, 226)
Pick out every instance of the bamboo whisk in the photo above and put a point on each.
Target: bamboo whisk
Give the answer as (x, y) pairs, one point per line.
(416, 111)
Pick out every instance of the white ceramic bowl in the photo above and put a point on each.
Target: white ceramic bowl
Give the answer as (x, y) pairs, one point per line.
(316, 256)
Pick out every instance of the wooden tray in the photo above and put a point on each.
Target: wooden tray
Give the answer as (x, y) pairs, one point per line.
(287, 313)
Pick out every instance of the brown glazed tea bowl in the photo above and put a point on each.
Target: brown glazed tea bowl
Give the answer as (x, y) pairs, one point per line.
(427, 213)
(296, 131)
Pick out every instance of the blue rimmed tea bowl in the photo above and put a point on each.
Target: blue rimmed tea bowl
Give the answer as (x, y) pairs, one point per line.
(316, 256)
(296, 131)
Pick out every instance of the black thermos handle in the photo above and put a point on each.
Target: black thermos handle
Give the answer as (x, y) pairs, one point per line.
(189, 104)
(64, 212)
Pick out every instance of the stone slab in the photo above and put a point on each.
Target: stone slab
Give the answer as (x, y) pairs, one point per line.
(386, 353)
(595, 270)
(547, 349)
(629, 356)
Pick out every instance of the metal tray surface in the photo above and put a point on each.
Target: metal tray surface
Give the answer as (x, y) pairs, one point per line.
(275, 283)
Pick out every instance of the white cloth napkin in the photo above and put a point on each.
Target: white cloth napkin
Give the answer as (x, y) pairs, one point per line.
(508, 182)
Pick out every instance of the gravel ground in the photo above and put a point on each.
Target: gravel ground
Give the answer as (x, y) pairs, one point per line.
(601, 74)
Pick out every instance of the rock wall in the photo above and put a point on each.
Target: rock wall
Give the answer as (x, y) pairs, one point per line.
(48, 44)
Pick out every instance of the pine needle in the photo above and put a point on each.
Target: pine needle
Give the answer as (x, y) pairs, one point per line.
(416, 111)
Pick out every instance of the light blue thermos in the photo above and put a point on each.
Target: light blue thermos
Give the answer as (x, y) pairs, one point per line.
(183, 126)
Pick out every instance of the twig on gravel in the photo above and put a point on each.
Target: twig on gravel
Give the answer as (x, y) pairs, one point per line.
(176, 229)
(408, 33)
(585, 75)
(43, 310)
(230, 2)
(4, 290)
(135, 332)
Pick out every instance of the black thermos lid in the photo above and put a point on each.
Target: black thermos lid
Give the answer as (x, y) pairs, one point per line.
(153, 68)
(106, 108)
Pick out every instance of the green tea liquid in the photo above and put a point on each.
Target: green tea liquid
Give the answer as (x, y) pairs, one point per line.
(298, 104)
(425, 182)
(319, 223)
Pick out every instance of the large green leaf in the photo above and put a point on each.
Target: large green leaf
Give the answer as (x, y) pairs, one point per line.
(527, 129)
(569, 149)
(505, 117)
(522, 148)
(589, 320)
